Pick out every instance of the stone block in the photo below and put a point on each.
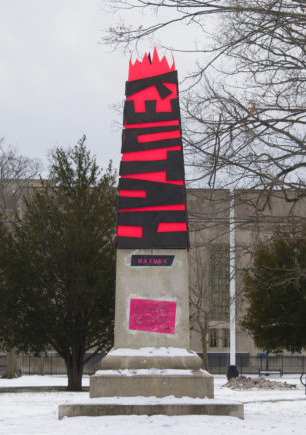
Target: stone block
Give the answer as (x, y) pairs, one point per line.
(150, 358)
(192, 384)
(233, 409)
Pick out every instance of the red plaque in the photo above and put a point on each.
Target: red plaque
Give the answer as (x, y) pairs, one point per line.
(153, 316)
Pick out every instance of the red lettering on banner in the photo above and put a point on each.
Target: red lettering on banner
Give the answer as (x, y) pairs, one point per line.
(165, 227)
(153, 124)
(128, 231)
(158, 208)
(160, 177)
(151, 93)
(151, 137)
(133, 193)
(149, 155)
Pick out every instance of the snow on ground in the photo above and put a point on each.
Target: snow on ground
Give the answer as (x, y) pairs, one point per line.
(275, 412)
(38, 381)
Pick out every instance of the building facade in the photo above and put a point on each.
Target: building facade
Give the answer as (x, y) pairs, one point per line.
(256, 215)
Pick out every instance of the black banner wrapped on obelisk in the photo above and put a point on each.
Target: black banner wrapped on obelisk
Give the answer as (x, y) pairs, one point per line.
(152, 197)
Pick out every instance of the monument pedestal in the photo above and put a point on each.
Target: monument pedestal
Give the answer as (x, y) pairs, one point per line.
(168, 367)
(151, 372)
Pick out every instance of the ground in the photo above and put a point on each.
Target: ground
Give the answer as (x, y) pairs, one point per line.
(280, 412)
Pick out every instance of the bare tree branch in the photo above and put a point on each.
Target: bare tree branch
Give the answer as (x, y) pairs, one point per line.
(16, 173)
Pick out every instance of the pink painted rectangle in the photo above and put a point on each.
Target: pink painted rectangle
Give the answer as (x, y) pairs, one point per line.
(153, 316)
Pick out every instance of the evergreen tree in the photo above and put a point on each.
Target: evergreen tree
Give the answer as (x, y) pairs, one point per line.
(62, 273)
(275, 288)
(7, 303)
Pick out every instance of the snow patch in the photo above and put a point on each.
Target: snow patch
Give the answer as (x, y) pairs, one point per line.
(246, 383)
(37, 413)
(39, 381)
(152, 400)
(147, 372)
(153, 351)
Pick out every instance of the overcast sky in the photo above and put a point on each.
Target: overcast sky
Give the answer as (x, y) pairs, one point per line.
(57, 82)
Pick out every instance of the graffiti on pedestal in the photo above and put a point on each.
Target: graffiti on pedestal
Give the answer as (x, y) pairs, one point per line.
(153, 316)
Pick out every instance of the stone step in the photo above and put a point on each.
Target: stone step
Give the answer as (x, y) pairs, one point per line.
(211, 407)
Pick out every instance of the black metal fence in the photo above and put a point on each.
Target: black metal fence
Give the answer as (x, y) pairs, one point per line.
(53, 364)
(2, 364)
(247, 365)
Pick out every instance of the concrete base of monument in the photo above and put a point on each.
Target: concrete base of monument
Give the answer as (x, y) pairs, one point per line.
(151, 406)
(151, 358)
(152, 391)
(151, 382)
(150, 371)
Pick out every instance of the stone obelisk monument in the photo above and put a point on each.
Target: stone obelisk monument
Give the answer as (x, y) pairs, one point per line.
(152, 307)
(151, 354)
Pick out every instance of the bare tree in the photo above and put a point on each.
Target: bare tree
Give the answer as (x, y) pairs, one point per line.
(200, 299)
(254, 117)
(209, 274)
(244, 104)
(16, 173)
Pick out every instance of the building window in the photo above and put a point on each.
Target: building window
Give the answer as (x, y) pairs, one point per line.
(219, 282)
(213, 338)
(225, 337)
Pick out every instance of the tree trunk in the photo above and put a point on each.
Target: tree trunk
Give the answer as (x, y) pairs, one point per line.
(74, 364)
(11, 364)
(204, 349)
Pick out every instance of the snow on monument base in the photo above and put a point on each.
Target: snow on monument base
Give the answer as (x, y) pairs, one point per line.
(151, 358)
(158, 372)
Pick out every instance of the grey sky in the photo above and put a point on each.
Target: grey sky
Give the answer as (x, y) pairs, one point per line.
(56, 81)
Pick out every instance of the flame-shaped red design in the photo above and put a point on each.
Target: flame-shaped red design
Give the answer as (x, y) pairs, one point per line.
(149, 68)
